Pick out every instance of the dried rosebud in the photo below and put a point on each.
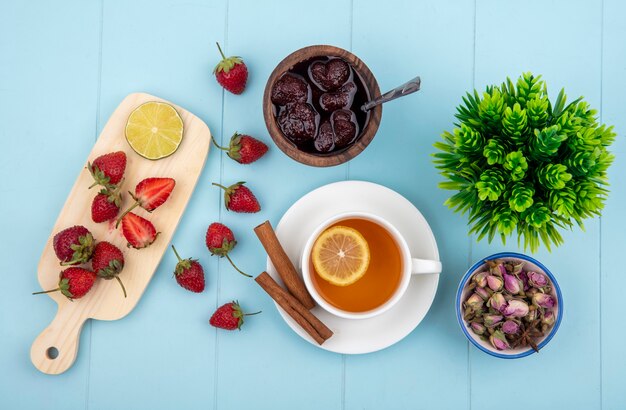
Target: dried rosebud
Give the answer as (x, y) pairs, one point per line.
(495, 283)
(516, 308)
(475, 301)
(492, 320)
(495, 270)
(548, 318)
(498, 340)
(469, 313)
(538, 280)
(480, 279)
(510, 327)
(524, 278)
(543, 300)
(517, 269)
(502, 269)
(497, 301)
(532, 314)
(531, 292)
(512, 284)
(482, 292)
(478, 328)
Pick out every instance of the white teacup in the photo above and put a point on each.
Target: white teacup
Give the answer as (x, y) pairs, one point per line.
(410, 266)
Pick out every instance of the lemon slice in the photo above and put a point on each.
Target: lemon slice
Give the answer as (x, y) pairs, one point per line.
(154, 130)
(341, 255)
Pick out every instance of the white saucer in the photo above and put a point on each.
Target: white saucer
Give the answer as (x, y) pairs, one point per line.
(365, 335)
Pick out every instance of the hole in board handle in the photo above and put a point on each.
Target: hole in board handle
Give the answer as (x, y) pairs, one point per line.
(52, 353)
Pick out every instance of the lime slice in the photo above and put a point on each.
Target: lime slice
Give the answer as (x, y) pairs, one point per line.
(154, 130)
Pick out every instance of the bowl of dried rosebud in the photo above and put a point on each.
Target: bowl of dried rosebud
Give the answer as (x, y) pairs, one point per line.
(509, 305)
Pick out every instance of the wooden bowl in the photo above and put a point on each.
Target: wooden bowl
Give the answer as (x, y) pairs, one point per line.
(332, 158)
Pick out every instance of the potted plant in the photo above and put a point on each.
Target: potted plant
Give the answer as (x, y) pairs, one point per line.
(523, 165)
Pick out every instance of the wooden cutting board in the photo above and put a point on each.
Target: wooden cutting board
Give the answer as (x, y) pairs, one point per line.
(106, 301)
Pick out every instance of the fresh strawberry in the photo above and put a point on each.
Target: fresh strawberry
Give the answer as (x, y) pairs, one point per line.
(189, 273)
(150, 194)
(229, 316)
(106, 205)
(238, 198)
(231, 73)
(73, 245)
(108, 262)
(108, 169)
(220, 240)
(74, 283)
(102, 209)
(139, 232)
(243, 148)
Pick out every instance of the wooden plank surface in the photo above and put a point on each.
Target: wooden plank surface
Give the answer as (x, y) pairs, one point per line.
(143, 48)
(402, 148)
(49, 53)
(613, 222)
(274, 353)
(503, 49)
(82, 58)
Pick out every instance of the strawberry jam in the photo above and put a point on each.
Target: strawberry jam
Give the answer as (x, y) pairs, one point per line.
(317, 105)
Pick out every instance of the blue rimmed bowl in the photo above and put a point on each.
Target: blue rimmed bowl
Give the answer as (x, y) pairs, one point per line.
(463, 293)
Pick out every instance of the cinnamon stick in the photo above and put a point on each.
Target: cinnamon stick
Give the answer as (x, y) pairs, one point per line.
(283, 265)
(302, 322)
(307, 320)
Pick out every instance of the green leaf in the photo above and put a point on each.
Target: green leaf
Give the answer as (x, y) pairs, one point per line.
(514, 124)
(491, 184)
(494, 151)
(553, 176)
(545, 142)
(528, 88)
(516, 164)
(521, 197)
(491, 109)
(537, 111)
(468, 141)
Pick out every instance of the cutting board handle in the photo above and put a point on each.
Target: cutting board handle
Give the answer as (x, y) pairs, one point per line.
(55, 349)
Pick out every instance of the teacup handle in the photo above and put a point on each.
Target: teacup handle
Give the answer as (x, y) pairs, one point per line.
(425, 266)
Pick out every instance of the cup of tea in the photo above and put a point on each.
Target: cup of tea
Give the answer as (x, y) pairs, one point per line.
(387, 274)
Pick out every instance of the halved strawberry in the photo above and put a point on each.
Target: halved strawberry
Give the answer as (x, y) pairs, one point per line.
(138, 231)
(153, 192)
(150, 194)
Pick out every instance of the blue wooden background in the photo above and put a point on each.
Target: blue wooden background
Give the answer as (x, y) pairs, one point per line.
(64, 67)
